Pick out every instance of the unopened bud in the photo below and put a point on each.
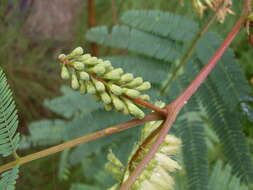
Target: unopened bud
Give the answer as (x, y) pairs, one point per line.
(62, 56)
(136, 82)
(82, 87)
(78, 66)
(84, 57)
(115, 89)
(84, 76)
(118, 104)
(77, 51)
(91, 61)
(98, 69)
(132, 93)
(145, 97)
(114, 74)
(144, 86)
(74, 82)
(134, 110)
(64, 73)
(126, 78)
(90, 87)
(99, 85)
(105, 98)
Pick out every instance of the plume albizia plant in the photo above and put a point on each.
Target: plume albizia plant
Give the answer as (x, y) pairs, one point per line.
(151, 163)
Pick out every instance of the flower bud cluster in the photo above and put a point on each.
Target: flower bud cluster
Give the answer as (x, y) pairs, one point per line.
(222, 6)
(110, 85)
(157, 174)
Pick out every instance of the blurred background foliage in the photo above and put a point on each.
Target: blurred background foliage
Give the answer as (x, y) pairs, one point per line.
(32, 34)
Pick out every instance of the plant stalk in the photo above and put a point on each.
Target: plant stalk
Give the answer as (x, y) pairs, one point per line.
(91, 9)
(81, 140)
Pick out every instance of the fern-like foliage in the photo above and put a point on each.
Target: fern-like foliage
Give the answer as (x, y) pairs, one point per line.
(9, 139)
(159, 39)
(8, 179)
(222, 178)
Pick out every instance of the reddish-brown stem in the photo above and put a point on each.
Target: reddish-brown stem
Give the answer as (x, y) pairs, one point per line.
(114, 12)
(148, 105)
(191, 89)
(91, 9)
(145, 143)
(148, 157)
(175, 107)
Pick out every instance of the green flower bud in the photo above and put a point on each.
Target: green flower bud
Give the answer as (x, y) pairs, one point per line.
(78, 65)
(107, 63)
(126, 78)
(84, 58)
(114, 74)
(84, 76)
(82, 87)
(62, 56)
(145, 97)
(144, 86)
(136, 82)
(115, 89)
(131, 93)
(133, 109)
(74, 82)
(77, 51)
(108, 107)
(125, 110)
(91, 61)
(118, 104)
(99, 85)
(98, 69)
(90, 87)
(64, 73)
(105, 98)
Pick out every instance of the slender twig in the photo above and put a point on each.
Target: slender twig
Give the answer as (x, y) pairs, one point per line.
(91, 9)
(148, 105)
(81, 140)
(114, 12)
(189, 51)
(148, 157)
(144, 144)
(175, 107)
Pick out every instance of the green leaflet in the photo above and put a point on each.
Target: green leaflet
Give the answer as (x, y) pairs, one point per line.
(9, 139)
(137, 41)
(222, 178)
(8, 179)
(162, 24)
